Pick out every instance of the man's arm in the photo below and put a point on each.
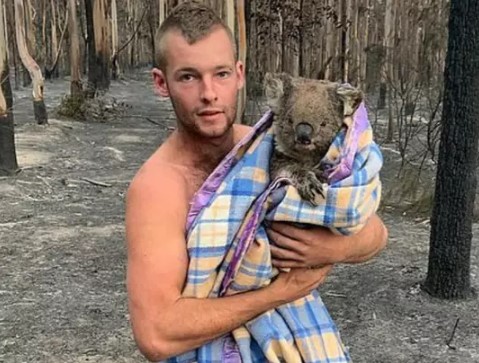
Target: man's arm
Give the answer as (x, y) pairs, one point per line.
(164, 323)
(318, 246)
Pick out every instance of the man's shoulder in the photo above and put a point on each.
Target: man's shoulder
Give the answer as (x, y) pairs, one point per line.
(158, 179)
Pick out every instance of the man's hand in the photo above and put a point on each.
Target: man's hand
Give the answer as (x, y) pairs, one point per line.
(298, 282)
(317, 246)
(296, 247)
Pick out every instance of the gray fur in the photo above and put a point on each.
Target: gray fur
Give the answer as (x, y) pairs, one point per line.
(299, 105)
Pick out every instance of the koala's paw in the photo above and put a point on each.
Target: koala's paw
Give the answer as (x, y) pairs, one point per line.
(310, 188)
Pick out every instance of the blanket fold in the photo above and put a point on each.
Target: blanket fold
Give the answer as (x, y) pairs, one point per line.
(229, 249)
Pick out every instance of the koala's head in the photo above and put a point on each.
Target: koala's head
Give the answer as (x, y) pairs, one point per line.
(308, 113)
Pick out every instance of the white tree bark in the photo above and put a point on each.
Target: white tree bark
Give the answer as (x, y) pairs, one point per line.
(75, 87)
(242, 49)
(3, 56)
(29, 63)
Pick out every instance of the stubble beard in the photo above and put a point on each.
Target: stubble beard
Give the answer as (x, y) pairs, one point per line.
(188, 122)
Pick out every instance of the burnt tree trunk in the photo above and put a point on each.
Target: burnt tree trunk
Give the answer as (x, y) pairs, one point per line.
(451, 221)
(90, 45)
(115, 67)
(275, 50)
(242, 51)
(388, 43)
(253, 38)
(98, 59)
(76, 88)
(291, 17)
(311, 38)
(39, 109)
(330, 48)
(102, 45)
(8, 158)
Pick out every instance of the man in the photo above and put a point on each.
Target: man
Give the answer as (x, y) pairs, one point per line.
(198, 71)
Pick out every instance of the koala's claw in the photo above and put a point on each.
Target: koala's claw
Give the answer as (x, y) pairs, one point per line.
(310, 188)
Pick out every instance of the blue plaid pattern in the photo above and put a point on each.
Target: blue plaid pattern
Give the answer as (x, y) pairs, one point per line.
(228, 219)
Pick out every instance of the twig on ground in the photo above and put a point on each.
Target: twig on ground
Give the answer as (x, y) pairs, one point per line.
(153, 121)
(335, 294)
(98, 183)
(12, 224)
(170, 128)
(158, 123)
(449, 341)
(29, 167)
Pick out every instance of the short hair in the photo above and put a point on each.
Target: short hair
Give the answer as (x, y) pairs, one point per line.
(194, 21)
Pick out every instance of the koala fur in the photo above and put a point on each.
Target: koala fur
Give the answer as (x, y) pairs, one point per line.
(308, 114)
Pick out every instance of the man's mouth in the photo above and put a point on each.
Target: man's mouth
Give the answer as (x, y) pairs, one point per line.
(211, 112)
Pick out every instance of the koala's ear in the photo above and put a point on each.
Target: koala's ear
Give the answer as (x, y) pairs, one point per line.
(351, 98)
(274, 88)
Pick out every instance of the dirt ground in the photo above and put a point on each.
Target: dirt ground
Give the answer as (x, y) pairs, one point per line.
(62, 250)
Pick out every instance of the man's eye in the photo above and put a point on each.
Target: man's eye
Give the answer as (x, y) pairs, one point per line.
(223, 74)
(186, 77)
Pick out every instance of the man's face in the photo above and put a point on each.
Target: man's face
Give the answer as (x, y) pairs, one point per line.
(202, 81)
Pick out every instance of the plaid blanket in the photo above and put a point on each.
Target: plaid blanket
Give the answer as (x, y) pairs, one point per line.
(229, 249)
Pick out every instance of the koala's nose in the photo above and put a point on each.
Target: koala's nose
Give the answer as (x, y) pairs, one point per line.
(304, 133)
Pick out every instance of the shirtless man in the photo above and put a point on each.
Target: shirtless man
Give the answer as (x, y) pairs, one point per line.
(199, 72)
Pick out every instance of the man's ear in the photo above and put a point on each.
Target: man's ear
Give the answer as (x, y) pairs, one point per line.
(351, 98)
(240, 74)
(159, 82)
(274, 88)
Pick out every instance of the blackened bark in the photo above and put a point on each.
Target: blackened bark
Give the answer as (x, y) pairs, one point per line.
(102, 57)
(382, 96)
(154, 10)
(90, 42)
(76, 88)
(40, 112)
(291, 17)
(98, 62)
(451, 221)
(8, 158)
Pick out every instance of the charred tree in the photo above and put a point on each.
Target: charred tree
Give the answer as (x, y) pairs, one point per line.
(115, 67)
(8, 158)
(39, 108)
(448, 274)
(75, 57)
(291, 45)
(242, 50)
(97, 44)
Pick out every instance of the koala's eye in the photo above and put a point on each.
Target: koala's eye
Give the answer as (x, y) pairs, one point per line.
(323, 123)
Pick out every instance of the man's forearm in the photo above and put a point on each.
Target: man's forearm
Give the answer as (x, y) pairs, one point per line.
(366, 243)
(190, 323)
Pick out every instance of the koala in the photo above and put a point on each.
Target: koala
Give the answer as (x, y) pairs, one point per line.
(307, 115)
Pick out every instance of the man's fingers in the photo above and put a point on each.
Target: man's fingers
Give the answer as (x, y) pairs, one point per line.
(285, 229)
(283, 241)
(284, 254)
(285, 263)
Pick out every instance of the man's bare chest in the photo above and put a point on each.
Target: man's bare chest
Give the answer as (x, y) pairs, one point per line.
(194, 180)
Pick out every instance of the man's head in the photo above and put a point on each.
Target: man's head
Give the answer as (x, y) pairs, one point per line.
(194, 21)
(198, 69)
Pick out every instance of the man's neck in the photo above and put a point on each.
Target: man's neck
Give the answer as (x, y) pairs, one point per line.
(203, 153)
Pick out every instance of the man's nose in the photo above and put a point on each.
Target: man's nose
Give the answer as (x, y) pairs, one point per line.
(208, 92)
(304, 133)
